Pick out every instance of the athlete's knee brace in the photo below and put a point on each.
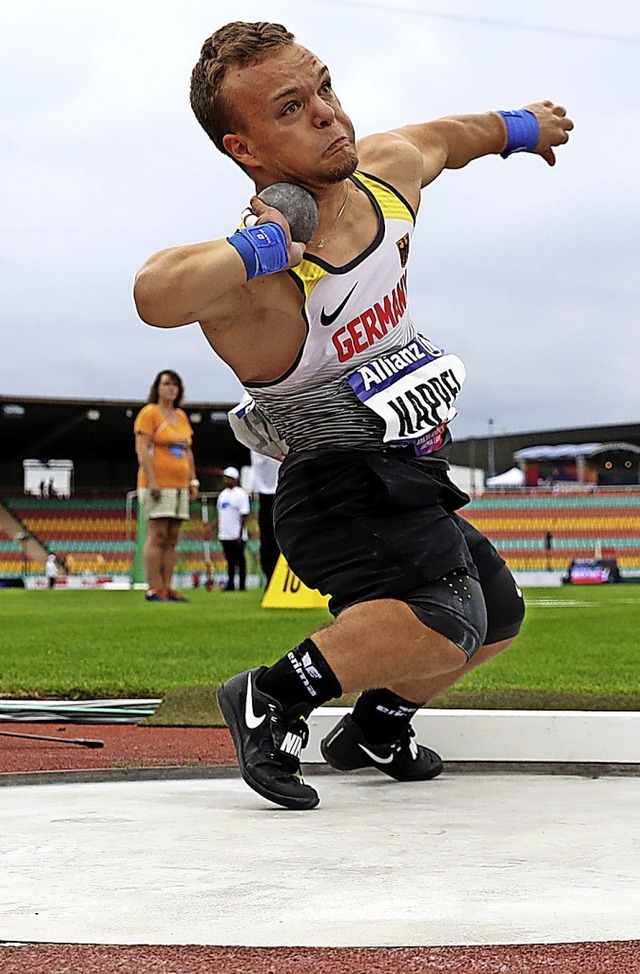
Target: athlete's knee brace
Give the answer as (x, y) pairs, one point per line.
(453, 606)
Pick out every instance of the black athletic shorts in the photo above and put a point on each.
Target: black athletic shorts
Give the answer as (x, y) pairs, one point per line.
(503, 599)
(360, 526)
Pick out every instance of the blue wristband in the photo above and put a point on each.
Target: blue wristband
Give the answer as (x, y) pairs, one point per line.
(263, 249)
(523, 132)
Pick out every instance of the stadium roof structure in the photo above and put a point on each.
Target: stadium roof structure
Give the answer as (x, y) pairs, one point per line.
(97, 435)
(571, 451)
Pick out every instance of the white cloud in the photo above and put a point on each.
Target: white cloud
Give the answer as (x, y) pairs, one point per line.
(529, 273)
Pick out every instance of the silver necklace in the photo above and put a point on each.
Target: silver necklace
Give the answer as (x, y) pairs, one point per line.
(321, 241)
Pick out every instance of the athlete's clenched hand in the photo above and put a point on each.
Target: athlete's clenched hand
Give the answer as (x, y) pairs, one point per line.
(554, 128)
(258, 212)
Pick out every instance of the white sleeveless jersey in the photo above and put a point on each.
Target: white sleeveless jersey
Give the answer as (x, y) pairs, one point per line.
(349, 385)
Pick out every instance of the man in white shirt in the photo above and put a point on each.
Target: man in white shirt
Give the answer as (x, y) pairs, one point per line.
(264, 480)
(233, 512)
(51, 570)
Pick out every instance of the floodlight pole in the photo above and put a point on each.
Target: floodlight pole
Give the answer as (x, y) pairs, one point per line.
(491, 451)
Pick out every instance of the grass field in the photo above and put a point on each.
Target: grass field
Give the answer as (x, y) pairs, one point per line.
(578, 647)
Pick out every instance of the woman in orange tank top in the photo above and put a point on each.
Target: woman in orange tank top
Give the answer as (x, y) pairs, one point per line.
(166, 480)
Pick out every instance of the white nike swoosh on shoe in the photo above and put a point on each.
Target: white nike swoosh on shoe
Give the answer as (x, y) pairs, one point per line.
(335, 737)
(249, 716)
(376, 757)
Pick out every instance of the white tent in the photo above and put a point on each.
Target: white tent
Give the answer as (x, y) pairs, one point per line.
(510, 478)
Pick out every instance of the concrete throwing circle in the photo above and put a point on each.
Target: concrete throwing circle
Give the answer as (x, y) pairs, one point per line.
(465, 859)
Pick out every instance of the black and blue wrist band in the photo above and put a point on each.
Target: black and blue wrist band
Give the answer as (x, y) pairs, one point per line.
(263, 249)
(523, 132)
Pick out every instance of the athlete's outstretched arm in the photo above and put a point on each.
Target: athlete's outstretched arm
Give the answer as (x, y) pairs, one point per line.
(454, 141)
(198, 282)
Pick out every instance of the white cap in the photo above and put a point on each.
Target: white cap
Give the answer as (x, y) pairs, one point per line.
(231, 472)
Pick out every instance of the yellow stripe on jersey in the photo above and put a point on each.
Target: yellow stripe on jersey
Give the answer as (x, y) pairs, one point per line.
(392, 206)
(310, 275)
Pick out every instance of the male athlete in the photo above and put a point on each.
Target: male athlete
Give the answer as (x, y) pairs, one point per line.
(343, 384)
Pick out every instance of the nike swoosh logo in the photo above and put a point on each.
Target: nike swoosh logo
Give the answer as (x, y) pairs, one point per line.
(328, 319)
(249, 716)
(376, 757)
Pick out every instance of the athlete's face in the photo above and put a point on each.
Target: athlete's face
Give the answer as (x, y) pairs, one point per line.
(291, 123)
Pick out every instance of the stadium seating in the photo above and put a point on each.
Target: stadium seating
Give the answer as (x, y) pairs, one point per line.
(600, 522)
(95, 536)
(11, 558)
(90, 534)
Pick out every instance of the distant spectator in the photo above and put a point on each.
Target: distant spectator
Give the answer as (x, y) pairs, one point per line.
(208, 578)
(166, 480)
(264, 479)
(233, 513)
(195, 578)
(52, 488)
(43, 488)
(51, 569)
(548, 544)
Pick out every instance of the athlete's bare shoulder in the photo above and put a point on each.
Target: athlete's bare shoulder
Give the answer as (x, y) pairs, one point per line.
(393, 158)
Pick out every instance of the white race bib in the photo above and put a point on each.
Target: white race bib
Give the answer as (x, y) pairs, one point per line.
(412, 390)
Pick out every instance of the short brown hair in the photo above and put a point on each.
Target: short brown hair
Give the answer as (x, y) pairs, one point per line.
(155, 385)
(237, 43)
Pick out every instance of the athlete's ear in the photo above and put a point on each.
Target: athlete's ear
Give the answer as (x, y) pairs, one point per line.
(239, 150)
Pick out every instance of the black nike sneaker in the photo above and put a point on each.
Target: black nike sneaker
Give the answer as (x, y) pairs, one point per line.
(346, 749)
(268, 741)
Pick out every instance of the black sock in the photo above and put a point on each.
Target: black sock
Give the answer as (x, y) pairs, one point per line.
(383, 716)
(301, 679)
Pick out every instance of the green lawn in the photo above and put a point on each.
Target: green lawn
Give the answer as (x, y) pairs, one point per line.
(114, 643)
(578, 647)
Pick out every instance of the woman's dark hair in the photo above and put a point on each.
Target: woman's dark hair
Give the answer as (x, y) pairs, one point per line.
(153, 391)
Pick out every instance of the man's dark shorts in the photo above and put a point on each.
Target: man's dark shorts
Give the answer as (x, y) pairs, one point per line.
(361, 526)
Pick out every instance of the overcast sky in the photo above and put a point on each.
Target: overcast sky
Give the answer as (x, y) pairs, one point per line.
(530, 274)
